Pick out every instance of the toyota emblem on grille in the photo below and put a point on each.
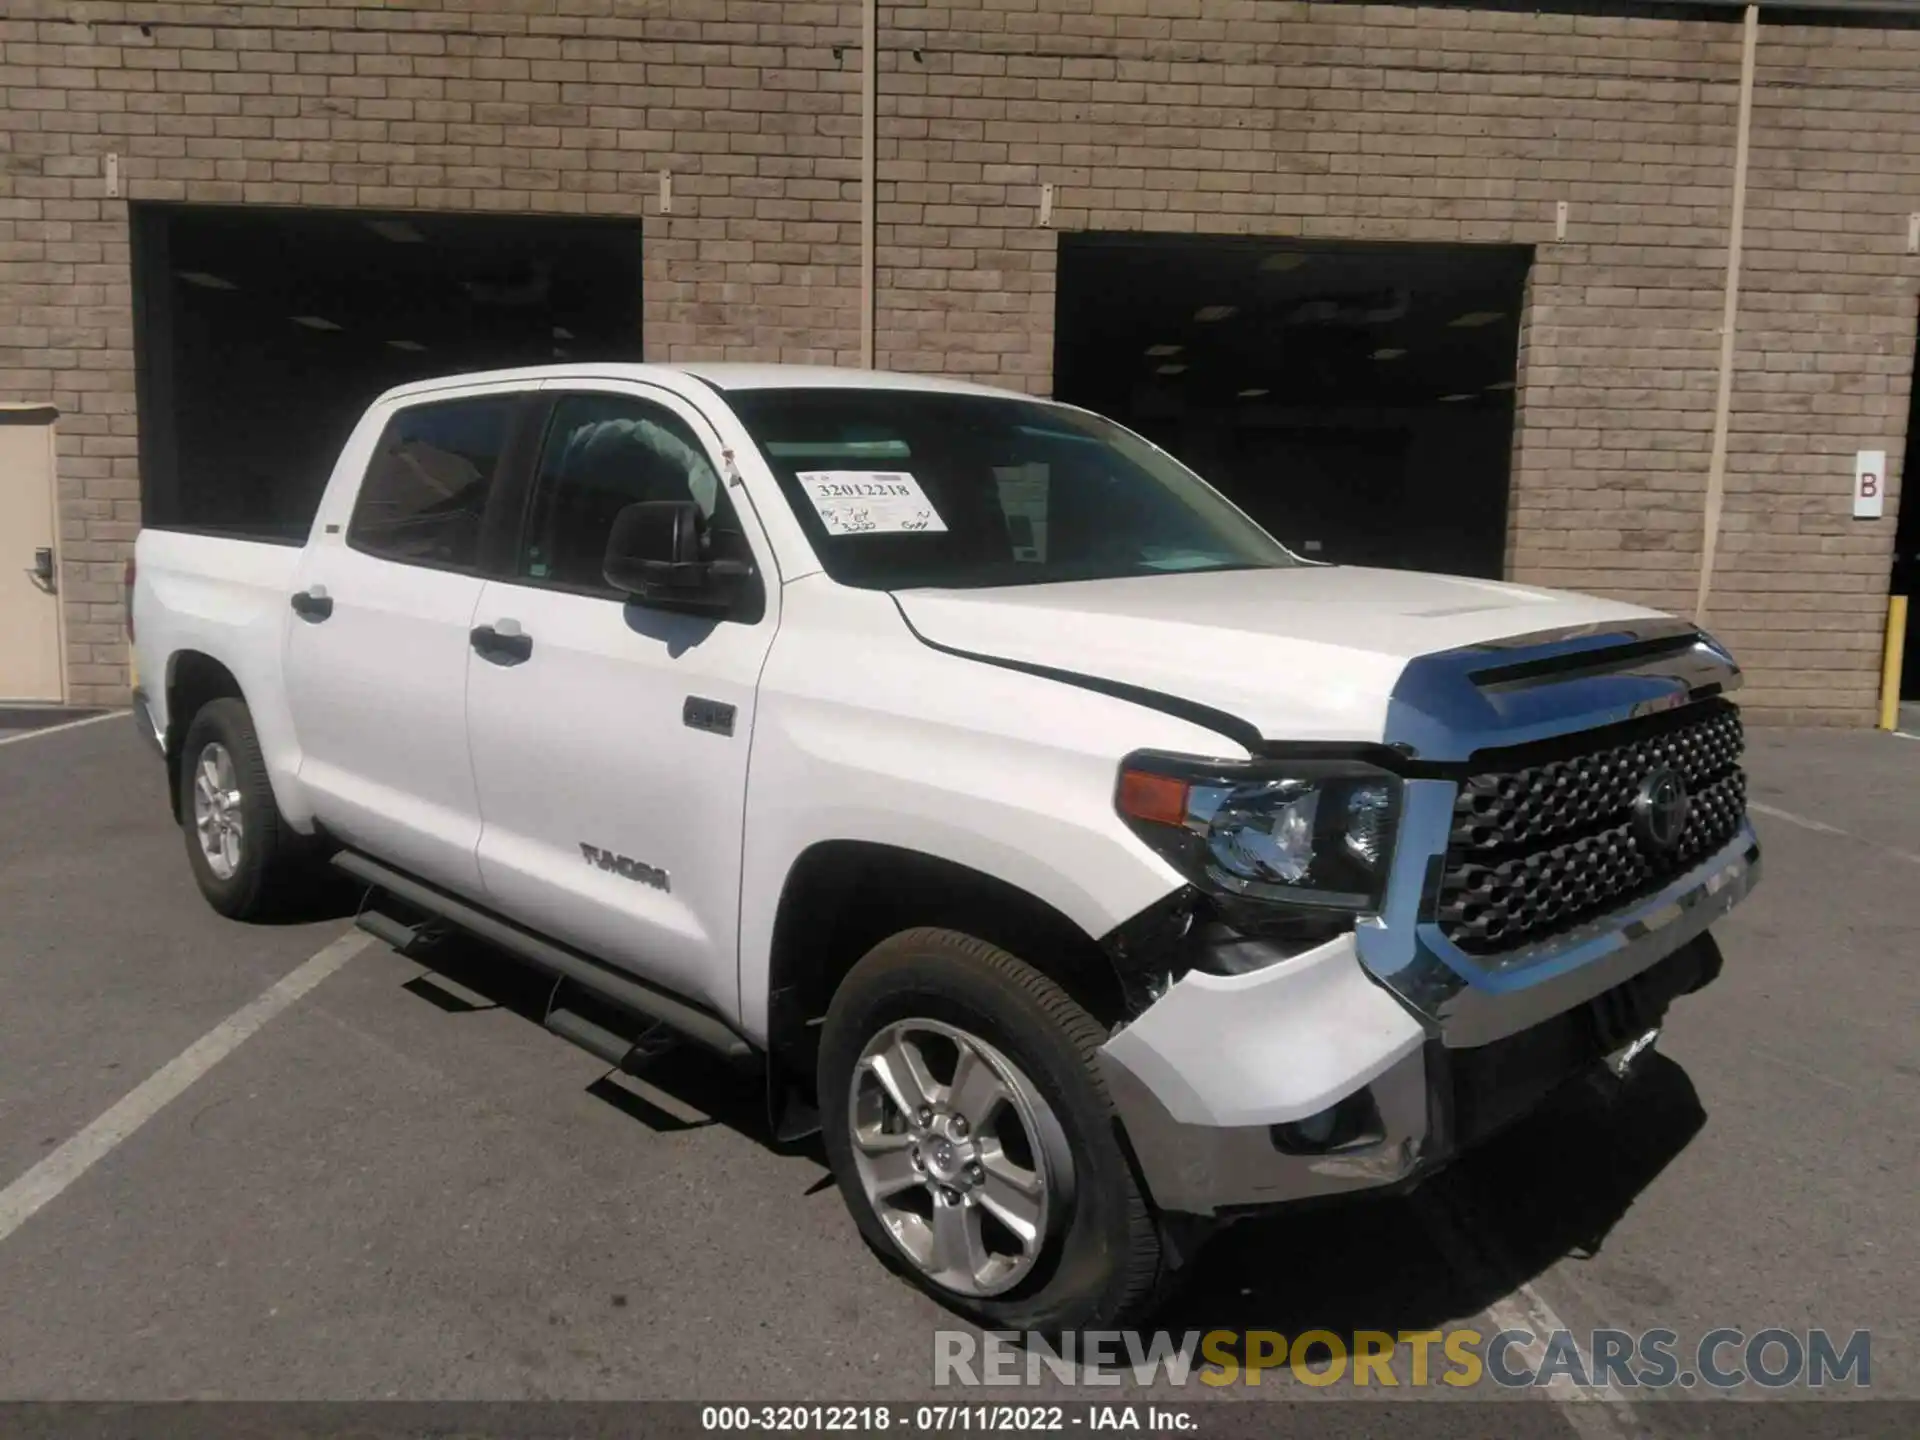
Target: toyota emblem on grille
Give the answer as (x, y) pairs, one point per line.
(1660, 808)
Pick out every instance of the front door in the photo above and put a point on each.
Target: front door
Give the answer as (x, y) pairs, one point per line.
(377, 643)
(610, 739)
(29, 581)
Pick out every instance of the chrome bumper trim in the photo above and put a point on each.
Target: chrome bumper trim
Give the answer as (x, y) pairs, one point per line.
(143, 721)
(1470, 1000)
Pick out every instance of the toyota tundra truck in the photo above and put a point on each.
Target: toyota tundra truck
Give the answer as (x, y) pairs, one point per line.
(1089, 868)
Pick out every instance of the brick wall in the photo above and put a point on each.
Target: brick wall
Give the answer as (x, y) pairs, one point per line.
(1388, 122)
(1827, 318)
(557, 106)
(1212, 116)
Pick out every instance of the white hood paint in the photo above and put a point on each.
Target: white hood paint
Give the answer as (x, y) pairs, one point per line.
(1302, 654)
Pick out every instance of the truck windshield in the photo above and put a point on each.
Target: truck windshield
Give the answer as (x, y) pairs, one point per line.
(901, 489)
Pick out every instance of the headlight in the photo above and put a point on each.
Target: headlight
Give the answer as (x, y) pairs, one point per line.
(1298, 836)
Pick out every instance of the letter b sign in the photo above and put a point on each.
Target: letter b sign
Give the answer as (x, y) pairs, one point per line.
(1869, 484)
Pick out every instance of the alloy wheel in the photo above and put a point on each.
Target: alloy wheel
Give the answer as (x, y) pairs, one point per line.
(216, 810)
(960, 1157)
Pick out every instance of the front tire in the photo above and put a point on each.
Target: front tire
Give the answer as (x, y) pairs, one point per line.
(242, 851)
(974, 1142)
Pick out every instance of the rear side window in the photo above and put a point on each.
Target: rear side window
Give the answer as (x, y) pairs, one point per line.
(425, 490)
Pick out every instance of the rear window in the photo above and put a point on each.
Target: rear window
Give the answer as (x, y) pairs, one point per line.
(900, 489)
(425, 490)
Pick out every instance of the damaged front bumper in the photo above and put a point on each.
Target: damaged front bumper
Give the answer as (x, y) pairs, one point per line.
(1377, 1056)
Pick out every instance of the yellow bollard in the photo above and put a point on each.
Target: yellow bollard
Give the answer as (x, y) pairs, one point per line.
(1890, 662)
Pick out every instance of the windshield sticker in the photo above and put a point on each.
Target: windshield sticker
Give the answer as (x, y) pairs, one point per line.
(870, 502)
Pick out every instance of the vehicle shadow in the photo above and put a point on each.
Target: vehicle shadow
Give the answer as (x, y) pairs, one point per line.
(1550, 1187)
(325, 894)
(682, 1089)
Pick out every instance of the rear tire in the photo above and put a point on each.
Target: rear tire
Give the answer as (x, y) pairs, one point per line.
(244, 855)
(1040, 1152)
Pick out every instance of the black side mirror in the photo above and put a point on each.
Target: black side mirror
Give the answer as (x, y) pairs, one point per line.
(660, 553)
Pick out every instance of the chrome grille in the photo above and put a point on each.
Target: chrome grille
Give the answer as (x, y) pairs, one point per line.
(1538, 848)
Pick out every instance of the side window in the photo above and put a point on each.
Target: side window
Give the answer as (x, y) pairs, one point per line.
(425, 489)
(603, 453)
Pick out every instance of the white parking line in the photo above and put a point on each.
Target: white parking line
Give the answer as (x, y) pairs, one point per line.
(44, 1182)
(56, 729)
(1593, 1411)
(1820, 827)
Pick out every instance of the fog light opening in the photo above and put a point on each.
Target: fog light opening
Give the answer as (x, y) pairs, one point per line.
(1350, 1124)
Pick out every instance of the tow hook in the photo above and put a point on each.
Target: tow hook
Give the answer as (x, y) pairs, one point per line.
(1622, 1062)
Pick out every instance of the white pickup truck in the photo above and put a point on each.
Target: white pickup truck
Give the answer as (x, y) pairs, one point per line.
(1089, 868)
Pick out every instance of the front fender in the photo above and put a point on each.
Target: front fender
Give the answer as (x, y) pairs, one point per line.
(1004, 773)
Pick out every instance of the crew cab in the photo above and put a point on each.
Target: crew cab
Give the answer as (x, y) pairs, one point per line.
(1090, 868)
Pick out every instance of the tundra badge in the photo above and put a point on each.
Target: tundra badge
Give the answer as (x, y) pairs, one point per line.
(626, 868)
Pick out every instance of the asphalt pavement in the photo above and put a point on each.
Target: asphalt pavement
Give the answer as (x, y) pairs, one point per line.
(401, 1186)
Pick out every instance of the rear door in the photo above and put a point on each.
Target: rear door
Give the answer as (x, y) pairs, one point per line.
(610, 740)
(377, 641)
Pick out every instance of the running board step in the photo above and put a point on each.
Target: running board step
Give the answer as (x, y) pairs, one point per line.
(617, 989)
(594, 1039)
(619, 1051)
(382, 926)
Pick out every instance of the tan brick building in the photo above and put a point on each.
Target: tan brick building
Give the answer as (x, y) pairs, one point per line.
(1601, 139)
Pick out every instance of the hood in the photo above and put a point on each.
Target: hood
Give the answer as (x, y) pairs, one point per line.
(1308, 653)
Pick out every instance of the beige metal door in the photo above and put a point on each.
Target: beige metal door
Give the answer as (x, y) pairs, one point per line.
(29, 570)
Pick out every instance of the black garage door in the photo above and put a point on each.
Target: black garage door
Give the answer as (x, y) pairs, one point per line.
(1355, 399)
(262, 333)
